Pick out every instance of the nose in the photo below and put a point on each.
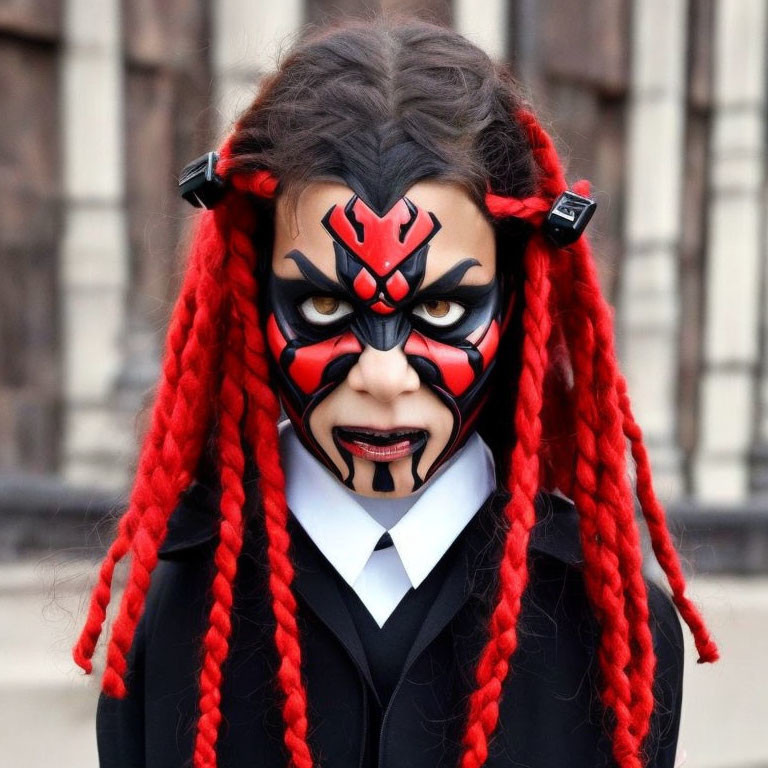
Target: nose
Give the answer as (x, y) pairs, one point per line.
(384, 374)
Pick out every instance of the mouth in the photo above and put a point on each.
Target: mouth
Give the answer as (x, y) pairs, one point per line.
(381, 445)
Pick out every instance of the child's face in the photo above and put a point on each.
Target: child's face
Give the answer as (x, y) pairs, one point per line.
(383, 329)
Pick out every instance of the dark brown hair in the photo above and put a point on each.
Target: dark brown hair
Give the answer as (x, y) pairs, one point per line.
(380, 105)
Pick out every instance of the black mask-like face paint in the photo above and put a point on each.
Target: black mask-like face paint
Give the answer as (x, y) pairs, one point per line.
(317, 328)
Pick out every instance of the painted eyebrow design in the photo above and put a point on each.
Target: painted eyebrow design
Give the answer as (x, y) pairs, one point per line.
(313, 275)
(448, 283)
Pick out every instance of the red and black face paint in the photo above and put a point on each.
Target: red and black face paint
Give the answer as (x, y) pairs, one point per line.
(379, 301)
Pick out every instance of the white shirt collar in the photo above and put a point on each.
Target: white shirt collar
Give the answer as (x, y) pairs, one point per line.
(346, 526)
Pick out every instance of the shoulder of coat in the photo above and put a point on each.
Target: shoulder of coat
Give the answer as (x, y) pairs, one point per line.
(556, 532)
(193, 524)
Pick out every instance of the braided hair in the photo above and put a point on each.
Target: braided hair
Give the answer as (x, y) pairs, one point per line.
(385, 104)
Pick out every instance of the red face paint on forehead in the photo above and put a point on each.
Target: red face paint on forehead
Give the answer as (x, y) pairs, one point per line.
(381, 242)
(381, 264)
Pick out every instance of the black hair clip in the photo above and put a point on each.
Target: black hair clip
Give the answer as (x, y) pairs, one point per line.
(568, 218)
(199, 184)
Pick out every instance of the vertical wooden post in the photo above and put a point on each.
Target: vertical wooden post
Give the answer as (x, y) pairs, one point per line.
(735, 250)
(93, 260)
(649, 294)
(487, 29)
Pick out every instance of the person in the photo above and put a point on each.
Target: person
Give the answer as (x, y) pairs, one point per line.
(434, 559)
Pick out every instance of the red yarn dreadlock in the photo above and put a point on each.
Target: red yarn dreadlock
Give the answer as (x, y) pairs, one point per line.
(572, 419)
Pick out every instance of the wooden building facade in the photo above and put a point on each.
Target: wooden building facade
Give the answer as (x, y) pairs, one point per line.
(660, 103)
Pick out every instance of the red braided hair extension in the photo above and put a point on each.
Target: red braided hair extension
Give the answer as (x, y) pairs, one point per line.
(601, 573)
(614, 496)
(249, 363)
(232, 462)
(616, 490)
(231, 469)
(601, 417)
(652, 510)
(174, 447)
(619, 564)
(523, 482)
(661, 540)
(598, 533)
(222, 261)
(177, 338)
(261, 432)
(616, 526)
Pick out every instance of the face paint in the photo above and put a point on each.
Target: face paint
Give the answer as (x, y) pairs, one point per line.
(318, 328)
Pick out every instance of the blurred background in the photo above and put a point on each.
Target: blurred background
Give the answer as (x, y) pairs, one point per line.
(660, 103)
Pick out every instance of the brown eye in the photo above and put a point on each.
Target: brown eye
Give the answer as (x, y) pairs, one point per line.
(324, 310)
(325, 305)
(439, 312)
(437, 307)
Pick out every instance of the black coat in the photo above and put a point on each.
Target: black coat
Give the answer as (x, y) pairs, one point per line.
(550, 713)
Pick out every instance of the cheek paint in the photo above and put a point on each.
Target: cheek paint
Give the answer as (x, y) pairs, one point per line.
(311, 363)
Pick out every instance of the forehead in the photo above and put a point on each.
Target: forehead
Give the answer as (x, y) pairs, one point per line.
(464, 230)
